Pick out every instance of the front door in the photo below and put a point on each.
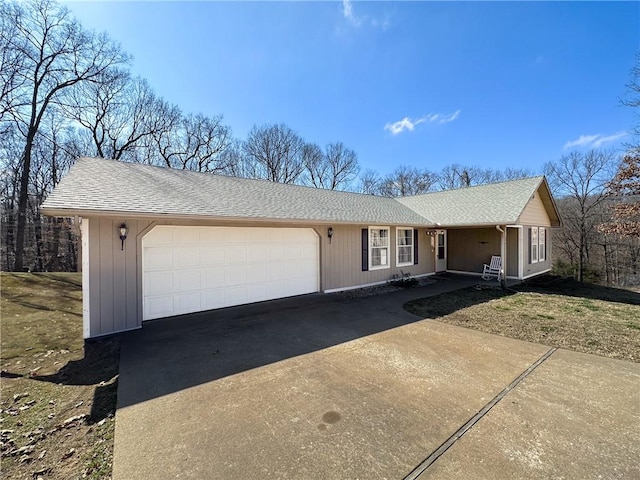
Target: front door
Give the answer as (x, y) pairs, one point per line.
(441, 251)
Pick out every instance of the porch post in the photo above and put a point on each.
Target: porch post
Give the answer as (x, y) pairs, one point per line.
(503, 255)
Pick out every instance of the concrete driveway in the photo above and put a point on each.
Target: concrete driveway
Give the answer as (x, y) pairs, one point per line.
(323, 387)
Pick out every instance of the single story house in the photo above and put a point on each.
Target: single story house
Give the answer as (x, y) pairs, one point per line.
(158, 242)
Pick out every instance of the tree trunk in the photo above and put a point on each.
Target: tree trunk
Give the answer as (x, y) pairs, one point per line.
(23, 200)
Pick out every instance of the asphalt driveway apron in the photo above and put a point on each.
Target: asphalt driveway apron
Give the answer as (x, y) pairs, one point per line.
(323, 387)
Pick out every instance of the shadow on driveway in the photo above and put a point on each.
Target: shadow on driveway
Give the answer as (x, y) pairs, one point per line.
(173, 354)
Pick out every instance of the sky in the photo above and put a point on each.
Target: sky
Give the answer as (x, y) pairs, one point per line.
(420, 84)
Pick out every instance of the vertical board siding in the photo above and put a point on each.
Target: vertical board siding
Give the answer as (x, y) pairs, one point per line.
(469, 248)
(342, 260)
(115, 276)
(533, 268)
(113, 286)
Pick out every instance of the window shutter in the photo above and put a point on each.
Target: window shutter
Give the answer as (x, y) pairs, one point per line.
(529, 245)
(415, 246)
(365, 249)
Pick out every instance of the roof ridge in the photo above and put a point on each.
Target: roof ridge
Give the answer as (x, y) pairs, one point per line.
(472, 187)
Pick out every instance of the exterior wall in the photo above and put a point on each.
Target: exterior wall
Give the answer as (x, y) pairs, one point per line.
(535, 213)
(512, 252)
(113, 285)
(341, 260)
(469, 248)
(531, 269)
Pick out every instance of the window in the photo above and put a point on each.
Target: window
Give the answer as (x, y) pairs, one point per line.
(404, 243)
(538, 251)
(441, 247)
(378, 247)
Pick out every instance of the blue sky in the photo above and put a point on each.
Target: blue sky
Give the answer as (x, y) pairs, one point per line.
(424, 84)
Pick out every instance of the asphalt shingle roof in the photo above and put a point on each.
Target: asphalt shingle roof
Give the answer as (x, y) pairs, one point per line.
(496, 203)
(97, 186)
(106, 186)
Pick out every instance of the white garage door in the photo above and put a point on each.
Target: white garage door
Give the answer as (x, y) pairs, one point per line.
(190, 269)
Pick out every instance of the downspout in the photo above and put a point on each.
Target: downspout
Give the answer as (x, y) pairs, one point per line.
(503, 255)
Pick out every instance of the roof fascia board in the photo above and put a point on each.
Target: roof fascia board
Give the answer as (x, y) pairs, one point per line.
(59, 212)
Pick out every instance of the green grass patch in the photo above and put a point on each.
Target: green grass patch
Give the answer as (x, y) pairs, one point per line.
(567, 314)
(58, 395)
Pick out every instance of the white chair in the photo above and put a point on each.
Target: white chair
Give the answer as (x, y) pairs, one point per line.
(493, 269)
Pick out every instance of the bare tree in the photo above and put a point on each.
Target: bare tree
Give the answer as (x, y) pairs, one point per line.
(332, 169)
(632, 99)
(57, 53)
(404, 181)
(195, 143)
(123, 115)
(582, 178)
(369, 182)
(277, 153)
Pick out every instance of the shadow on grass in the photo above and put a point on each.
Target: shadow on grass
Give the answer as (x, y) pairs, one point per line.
(552, 284)
(99, 366)
(448, 303)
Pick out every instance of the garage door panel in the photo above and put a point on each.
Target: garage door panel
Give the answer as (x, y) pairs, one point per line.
(235, 275)
(275, 235)
(257, 253)
(186, 257)
(158, 258)
(189, 236)
(187, 302)
(235, 254)
(159, 306)
(158, 283)
(159, 236)
(258, 273)
(235, 295)
(276, 253)
(235, 235)
(211, 255)
(257, 293)
(187, 281)
(212, 278)
(210, 299)
(211, 235)
(188, 269)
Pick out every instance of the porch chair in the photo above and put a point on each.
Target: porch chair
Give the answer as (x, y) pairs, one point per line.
(493, 269)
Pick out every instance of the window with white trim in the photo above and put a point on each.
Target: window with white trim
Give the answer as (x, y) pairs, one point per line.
(379, 247)
(534, 244)
(541, 244)
(404, 246)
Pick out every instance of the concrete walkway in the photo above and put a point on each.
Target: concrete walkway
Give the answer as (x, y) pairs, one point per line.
(325, 387)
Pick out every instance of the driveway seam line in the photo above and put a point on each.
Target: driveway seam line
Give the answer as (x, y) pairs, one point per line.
(437, 453)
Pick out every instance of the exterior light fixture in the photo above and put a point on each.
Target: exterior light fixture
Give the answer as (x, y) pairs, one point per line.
(123, 234)
(330, 233)
(432, 233)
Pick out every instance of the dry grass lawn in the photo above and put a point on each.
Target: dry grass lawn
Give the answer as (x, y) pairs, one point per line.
(564, 314)
(58, 396)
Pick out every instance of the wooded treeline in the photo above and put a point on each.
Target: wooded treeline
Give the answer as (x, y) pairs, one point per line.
(67, 92)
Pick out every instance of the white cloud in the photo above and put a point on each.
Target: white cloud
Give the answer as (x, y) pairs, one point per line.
(594, 141)
(359, 20)
(407, 124)
(347, 11)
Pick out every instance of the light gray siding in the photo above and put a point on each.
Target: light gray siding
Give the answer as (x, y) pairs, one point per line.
(531, 269)
(114, 277)
(469, 248)
(341, 260)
